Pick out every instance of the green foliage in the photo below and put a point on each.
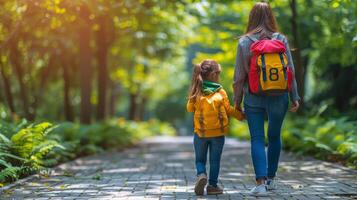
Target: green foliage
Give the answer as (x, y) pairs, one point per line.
(33, 144)
(94, 138)
(97, 176)
(332, 139)
(142, 42)
(8, 128)
(28, 150)
(9, 173)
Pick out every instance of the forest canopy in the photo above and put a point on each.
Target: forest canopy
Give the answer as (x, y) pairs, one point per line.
(91, 60)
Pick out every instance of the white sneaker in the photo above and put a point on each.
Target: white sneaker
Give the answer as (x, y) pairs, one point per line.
(259, 190)
(271, 184)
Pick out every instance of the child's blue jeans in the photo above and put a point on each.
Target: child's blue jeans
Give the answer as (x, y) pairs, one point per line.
(256, 108)
(215, 147)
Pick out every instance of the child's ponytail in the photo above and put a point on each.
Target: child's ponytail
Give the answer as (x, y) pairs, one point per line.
(197, 81)
(204, 71)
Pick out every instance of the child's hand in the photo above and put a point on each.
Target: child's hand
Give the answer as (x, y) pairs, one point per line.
(239, 114)
(242, 115)
(237, 106)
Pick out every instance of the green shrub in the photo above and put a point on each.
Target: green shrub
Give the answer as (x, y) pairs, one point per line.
(33, 144)
(29, 150)
(8, 171)
(332, 139)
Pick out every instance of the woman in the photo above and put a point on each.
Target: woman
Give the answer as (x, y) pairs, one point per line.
(262, 25)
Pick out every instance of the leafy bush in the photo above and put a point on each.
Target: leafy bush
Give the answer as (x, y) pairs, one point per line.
(32, 143)
(29, 150)
(35, 147)
(332, 139)
(8, 171)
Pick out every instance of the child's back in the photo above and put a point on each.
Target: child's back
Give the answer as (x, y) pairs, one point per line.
(211, 113)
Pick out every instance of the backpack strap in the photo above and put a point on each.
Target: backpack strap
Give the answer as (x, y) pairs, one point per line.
(202, 129)
(283, 63)
(275, 36)
(254, 39)
(278, 36)
(220, 117)
(264, 67)
(200, 118)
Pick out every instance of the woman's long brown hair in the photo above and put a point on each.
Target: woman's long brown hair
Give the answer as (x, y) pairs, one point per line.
(261, 20)
(201, 72)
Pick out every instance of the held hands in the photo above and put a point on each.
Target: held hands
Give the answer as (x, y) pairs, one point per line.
(295, 106)
(238, 108)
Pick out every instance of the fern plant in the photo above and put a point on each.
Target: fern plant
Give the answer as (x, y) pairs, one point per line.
(8, 172)
(33, 144)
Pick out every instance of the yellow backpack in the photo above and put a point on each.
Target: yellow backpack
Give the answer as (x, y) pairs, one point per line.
(211, 114)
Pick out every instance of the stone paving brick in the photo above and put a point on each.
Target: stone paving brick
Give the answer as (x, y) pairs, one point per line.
(163, 168)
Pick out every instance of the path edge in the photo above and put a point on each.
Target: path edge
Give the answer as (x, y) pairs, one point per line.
(16, 183)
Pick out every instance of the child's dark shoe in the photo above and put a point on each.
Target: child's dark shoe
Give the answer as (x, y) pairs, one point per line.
(213, 190)
(200, 184)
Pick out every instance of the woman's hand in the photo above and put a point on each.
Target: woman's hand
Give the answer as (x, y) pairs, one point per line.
(238, 107)
(295, 106)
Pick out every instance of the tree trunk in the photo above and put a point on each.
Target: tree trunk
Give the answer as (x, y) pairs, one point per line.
(7, 88)
(114, 94)
(15, 60)
(68, 111)
(2, 97)
(133, 108)
(299, 68)
(102, 52)
(39, 90)
(85, 67)
(142, 109)
(144, 98)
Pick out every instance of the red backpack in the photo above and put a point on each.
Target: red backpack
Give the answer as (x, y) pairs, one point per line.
(269, 71)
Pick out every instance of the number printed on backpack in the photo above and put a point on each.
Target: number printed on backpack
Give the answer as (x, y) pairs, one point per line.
(274, 74)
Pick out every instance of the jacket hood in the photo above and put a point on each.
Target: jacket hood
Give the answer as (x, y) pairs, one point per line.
(209, 87)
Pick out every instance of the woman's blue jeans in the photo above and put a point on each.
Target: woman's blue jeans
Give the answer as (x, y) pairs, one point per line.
(256, 109)
(215, 147)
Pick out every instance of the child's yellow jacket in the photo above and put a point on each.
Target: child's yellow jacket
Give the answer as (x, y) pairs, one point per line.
(211, 114)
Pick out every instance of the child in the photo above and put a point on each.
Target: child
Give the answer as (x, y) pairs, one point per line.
(211, 107)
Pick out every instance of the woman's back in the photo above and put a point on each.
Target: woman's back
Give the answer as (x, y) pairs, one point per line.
(243, 65)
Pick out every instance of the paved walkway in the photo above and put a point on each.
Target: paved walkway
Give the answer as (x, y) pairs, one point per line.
(163, 168)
